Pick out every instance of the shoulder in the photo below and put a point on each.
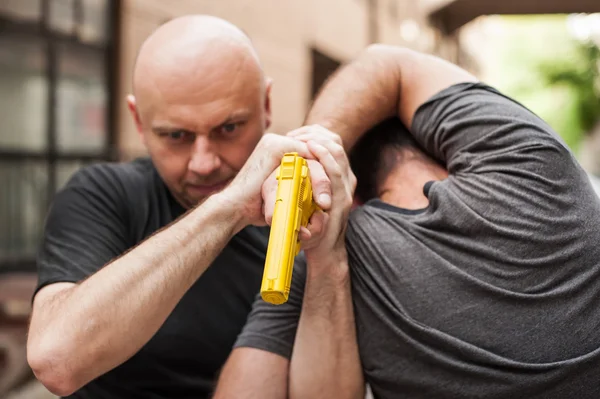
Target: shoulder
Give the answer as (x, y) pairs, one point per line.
(108, 186)
(364, 221)
(113, 175)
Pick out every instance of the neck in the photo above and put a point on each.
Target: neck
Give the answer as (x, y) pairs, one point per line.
(403, 185)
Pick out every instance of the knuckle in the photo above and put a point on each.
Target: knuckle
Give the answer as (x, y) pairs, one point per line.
(337, 151)
(268, 137)
(336, 171)
(348, 203)
(353, 180)
(269, 140)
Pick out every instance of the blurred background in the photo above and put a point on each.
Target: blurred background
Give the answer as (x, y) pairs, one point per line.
(65, 71)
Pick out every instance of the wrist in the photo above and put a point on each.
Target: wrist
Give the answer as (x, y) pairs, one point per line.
(228, 207)
(332, 268)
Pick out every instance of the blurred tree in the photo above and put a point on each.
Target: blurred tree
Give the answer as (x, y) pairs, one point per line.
(581, 75)
(537, 61)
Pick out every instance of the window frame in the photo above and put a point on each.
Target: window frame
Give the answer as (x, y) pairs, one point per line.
(50, 157)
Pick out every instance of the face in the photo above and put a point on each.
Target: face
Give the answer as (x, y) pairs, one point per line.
(200, 132)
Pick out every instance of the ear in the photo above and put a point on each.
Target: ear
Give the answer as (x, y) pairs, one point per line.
(131, 105)
(268, 85)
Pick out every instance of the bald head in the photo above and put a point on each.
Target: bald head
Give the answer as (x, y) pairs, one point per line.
(200, 104)
(192, 47)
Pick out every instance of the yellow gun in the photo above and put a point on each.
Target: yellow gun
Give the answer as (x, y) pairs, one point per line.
(294, 206)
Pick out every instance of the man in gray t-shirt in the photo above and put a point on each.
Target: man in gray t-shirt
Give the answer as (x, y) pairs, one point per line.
(491, 289)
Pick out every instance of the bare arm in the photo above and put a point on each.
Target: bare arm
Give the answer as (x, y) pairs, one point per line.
(252, 373)
(325, 361)
(384, 81)
(80, 331)
(77, 330)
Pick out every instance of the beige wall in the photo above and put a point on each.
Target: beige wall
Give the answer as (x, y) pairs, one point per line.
(283, 33)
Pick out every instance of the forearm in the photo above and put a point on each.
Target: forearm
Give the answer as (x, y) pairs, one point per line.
(359, 95)
(251, 373)
(325, 361)
(384, 81)
(98, 324)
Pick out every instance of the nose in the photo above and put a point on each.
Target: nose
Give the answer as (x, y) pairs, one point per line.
(204, 159)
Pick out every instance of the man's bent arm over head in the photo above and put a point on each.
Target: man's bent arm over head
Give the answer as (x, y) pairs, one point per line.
(384, 81)
(80, 331)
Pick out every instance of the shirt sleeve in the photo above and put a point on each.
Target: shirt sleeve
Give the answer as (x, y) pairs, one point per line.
(273, 327)
(84, 230)
(471, 126)
(503, 160)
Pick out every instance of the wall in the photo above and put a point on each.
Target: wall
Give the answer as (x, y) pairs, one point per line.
(283, 33)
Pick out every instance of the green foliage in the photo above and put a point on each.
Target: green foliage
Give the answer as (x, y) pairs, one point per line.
(581, 77)
(537, 62)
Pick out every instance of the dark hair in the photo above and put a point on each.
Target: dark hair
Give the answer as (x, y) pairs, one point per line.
(376, 153)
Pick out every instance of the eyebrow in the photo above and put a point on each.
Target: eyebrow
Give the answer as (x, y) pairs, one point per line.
(163, 126)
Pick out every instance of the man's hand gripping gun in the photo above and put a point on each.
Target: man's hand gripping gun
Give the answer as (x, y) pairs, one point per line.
(294, 206)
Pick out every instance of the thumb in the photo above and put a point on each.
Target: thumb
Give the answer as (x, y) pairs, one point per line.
(269, 194)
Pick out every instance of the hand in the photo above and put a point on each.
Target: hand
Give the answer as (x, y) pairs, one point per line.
(326, 230)
(244, 192)
(316, 133)
(321, 187)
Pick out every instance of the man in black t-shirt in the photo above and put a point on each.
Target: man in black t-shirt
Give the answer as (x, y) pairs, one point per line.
(474, 263)
(148, 269)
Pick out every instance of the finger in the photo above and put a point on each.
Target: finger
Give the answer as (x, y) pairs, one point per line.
(304, 234)
(327, 139)
(330, 165)
(298, 131)
(317, 223)
(321, 185)
(318, 134)
(269, 194)
(275, 146)
(336, 150)
(312, 234)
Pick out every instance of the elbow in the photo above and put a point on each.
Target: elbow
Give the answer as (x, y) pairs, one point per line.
(50, 367)
(394, 59)
(379, 51)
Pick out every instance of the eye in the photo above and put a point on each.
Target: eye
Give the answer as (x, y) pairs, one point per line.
(176, 135)
(229, 128)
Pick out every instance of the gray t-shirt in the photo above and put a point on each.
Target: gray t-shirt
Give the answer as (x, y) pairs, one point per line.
(493, 290)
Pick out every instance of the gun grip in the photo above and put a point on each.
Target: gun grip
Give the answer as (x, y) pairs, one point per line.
(293, 208)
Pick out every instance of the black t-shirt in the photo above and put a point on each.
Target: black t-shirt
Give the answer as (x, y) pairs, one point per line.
(493, 290)
(106, 209)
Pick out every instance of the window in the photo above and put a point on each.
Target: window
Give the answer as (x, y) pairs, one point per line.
(322, 67)
(57, 79)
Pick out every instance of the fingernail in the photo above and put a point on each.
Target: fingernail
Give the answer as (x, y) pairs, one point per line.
(324, 200)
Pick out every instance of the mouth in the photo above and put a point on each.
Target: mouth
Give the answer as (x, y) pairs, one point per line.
(206, 190)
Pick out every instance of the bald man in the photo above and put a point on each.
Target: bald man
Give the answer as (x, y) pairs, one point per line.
(148, 269)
